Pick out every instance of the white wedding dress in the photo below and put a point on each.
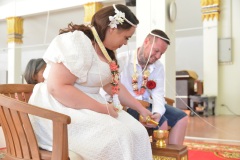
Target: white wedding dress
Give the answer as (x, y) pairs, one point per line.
(92, 135)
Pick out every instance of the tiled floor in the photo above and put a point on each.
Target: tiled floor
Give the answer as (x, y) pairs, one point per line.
(219, 129)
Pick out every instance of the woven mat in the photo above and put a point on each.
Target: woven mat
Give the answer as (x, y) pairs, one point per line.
(220, 151)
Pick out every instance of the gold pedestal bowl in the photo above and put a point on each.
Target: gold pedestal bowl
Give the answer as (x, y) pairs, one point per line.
(160, 136)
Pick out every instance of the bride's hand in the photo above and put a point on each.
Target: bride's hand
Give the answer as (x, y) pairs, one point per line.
(148, 119)
(145, 112)
(112, 111)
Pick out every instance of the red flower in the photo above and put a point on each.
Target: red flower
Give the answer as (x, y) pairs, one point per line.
(113, 66)
(142, 90)
(115, 89)
(151, 84)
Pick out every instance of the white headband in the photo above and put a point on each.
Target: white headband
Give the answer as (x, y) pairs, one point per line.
(118, 18)
(159, 37)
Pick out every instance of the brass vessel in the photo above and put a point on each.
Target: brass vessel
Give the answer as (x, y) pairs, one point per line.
(160, 136)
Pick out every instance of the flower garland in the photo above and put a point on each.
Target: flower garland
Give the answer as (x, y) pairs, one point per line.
(115, 76)
(114, 71)
(146, 73)
(151, 84)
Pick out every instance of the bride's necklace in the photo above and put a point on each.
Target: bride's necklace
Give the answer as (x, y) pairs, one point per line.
(145, 75)
(114, 70)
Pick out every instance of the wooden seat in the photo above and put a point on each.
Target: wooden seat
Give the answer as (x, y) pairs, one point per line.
(169, 101)
(21, 142)
(21, 92)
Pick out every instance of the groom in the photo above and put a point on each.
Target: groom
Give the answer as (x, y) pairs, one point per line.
(143, 76)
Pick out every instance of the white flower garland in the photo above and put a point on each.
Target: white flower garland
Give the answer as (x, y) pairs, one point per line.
(114, 71)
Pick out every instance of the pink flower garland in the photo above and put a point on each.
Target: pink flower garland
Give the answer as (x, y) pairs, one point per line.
(144, 82)
(115, 77)
(151, 84)
(143, 87)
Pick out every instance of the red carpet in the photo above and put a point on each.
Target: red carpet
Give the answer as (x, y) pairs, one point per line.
(2, 150)
(203, 151)
(212, 151)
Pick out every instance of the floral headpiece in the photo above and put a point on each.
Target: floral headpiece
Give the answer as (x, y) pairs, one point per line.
(118, 18)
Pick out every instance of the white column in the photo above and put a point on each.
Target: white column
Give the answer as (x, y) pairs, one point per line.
(154, 14)
(210, 16)
(210, 57)
(14, 63)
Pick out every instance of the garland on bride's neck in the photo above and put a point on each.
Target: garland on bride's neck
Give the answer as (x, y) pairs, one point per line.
(114, 70)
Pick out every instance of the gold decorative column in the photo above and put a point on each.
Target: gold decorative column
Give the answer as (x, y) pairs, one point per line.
(210, 9)
(15, 29)
(90, 9)
(15, 32)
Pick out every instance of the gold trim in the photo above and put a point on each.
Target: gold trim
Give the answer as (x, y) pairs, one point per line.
(210, 9)
(210, 16)
(163, 158)
(15, 29)
(155, 157)
(90, 9)
(209, 2)
(185, 157)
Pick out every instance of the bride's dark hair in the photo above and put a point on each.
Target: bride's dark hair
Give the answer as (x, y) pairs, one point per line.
(73, 27)
(100, 21)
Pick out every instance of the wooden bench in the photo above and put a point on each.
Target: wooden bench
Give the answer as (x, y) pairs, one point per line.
(21, 142)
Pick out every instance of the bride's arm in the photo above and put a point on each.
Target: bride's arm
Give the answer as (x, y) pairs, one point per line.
(128, 100)
(60, 85)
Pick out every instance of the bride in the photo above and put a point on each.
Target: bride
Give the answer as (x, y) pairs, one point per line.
(80, 61)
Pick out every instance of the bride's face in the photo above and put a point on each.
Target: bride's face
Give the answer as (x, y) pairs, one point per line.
(115, 38)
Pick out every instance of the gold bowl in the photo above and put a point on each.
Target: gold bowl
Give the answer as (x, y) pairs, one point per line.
(160, 136)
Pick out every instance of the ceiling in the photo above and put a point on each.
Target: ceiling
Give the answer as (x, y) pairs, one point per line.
(188, 21)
